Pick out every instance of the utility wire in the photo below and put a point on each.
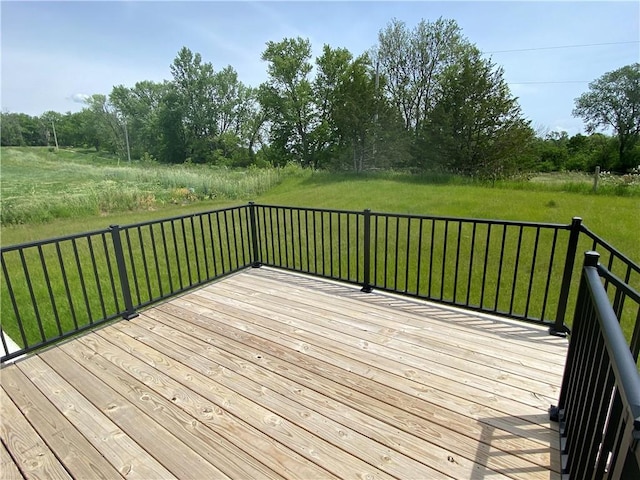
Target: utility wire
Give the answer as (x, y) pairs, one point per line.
(542, 83)
(561, 46)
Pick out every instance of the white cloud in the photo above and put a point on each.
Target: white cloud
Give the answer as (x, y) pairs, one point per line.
(80, 97)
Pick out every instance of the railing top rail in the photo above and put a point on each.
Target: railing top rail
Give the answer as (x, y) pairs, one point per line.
(611, 248)
(561, 226)
(47, 241)
(492, 221)
(621, 359)
(308, 209)
(180, 217)
(627, 289)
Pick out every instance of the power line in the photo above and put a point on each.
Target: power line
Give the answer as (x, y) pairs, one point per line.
(543, 83)
(561, 46)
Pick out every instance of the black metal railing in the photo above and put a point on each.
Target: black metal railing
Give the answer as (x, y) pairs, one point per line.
(55, 288)
(517, 269)
(599, 406)
(166, 257)
(622, 270)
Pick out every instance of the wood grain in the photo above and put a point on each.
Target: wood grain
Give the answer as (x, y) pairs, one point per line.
(268, 374)
(36, 459)
(8, 469)
(114, 444)
(71, 447)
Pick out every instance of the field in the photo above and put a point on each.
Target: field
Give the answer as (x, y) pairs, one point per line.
(39, 186)
(46, 194)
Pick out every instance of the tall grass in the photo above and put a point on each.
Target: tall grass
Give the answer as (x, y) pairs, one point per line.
(37, 186)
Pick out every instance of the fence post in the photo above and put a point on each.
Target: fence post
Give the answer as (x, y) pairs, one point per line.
(129, 312)
(367, 288)
(559, 328)
(254, 235)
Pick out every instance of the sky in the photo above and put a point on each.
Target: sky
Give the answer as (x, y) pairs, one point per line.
(53, 54)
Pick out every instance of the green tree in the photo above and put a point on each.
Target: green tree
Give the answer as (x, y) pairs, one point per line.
(356, 111)
(106, 123)
(11, 133)
(20, 129)
(287, 99)
(333, 69)
(477, 128)
(613, 101)
(79, 129)
(239, 118)
(194, 84)
(226, 100)
(172, 144)
(251, 120)
(412, 61)
(139, 107)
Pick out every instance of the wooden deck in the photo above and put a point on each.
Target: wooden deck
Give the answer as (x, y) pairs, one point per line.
(268, 374)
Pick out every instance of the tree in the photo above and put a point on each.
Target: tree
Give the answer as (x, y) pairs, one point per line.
(355, 112)
(411, 62)
(239, 118)
(221, 117)
(139, 107)
(172, 145)
(613, 101)
(251, 120)
(10, 130)
(333, 72)
(287, 98)
(20, 129)
(106, 123)
(477, 128)
(194, 85)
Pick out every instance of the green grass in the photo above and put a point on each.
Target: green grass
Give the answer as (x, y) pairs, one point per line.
(614, 218)
(36, 181)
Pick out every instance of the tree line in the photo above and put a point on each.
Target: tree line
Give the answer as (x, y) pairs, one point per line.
(421, 99)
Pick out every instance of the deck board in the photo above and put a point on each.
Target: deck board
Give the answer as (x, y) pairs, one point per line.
(70, 445)
(268, 374)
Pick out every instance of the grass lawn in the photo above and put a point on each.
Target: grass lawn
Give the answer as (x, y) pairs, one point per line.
(52, 194)
(614, 218)
(47, 194)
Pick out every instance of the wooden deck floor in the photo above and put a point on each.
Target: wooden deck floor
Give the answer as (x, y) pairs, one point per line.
(268, 374)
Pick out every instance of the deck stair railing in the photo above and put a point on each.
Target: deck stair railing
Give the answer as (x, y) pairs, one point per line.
(599, 405)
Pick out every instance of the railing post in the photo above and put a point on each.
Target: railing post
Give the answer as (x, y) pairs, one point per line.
(254, 235)
(559, 328)
(367, 288)
(129, 312)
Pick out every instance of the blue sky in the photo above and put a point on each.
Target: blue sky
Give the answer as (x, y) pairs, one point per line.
(55, 52)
